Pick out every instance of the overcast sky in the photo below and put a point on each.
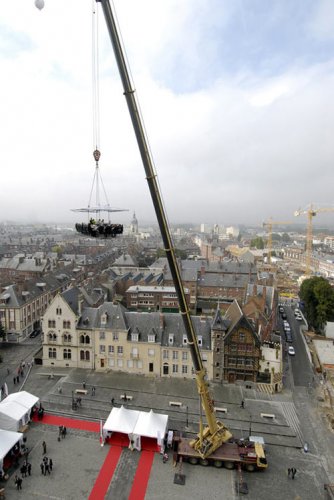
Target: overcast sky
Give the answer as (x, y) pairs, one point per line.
(236, 95)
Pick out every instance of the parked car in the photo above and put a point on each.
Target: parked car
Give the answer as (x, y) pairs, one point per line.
(291, 350)
(34, 333)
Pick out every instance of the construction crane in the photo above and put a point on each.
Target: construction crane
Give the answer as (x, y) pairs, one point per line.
(269, 226)
(212, 439)
(311, 212)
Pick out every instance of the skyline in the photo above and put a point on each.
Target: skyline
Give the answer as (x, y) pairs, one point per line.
(236, 101)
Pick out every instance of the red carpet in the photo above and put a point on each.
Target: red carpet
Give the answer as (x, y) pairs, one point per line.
(71, 423)
(141, 478)
(117, 441)
(103, 480)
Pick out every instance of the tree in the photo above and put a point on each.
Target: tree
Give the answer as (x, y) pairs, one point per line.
(286, 238)
(318, 296)
(257, 243)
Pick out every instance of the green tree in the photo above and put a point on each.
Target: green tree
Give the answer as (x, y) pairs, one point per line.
(318, 296)
(257, 243)
(286, 238)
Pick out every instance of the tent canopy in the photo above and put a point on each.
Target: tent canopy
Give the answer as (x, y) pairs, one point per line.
(15, 410)
(151, 425)
(24, 398)
(8, 439)
(121, 420)
(140, 423)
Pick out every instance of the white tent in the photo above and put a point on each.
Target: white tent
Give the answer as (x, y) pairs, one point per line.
(152, 425)
(121, 420)
(15, 410)
(8, 440)
(24, 398)
(13, 416)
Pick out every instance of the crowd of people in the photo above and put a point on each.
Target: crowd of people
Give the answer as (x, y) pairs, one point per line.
(100, 229)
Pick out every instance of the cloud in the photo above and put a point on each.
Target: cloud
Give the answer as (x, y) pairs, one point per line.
(239, 121)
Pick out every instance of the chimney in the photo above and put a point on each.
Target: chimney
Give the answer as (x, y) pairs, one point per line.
(202, 270)
(161, 321)
(80, 302)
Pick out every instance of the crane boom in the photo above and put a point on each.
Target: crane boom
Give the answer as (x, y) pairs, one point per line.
(311, 212)
(216, 433)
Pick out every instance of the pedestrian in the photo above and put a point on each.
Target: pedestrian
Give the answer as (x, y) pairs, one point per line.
(43, 468)
(289, 472)
(112, 401)
(60, 431)
(242, 404)
(47, 467)
(44, 447)
(17, 379)
(14, 380)
(23, 470)
(29, 468)
(93, 391)
(19, 483)
(50, 464)
(125, 398)
(293, 472)
(84, 385)
(64, 432)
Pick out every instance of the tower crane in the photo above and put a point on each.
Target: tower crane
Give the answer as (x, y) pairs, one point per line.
(311, 212)
(269, 226)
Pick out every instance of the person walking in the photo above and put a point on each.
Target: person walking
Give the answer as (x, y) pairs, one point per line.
(50, 464)
(29, 468)
(64, 432)
(112, 401)
(242, 404)
(93, 391)
(289, 472)
(293, 472)
(84, 385)
(43, 468)
(14, 380)
(44, 447)
(47, 467)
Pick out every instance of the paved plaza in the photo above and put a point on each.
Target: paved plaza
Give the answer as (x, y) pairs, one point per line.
(80, 463)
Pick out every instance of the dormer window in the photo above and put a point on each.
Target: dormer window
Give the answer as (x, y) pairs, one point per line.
(200, 340)
(151, 338)
(171, 339)
(104, 319)
(134, 337)
(185, 340)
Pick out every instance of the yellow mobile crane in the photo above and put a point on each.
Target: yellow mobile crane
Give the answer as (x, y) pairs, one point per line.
(212, 437)
(311, 212)
(269, 226)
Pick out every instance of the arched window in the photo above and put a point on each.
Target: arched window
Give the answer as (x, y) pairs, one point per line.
(67, 337)
(52, 336)
(52, 352)
(84, 356)
(67, 354)
(84, 339)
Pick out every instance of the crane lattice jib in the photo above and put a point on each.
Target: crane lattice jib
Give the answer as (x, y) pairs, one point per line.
(311, 212)
(269, 225)
(215, 428)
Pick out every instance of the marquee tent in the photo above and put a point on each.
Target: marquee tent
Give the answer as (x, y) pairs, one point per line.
(152, 425)
(24, 398)
(137, 424)
(8, 440)
(121, 420)
(15, 410)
